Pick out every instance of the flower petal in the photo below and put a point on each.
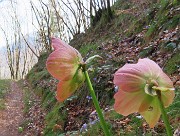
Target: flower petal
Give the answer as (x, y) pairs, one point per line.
(130, 78)
(67, 88)
(64, 61)
(167, 97)
(164, 81)
(152, 115)
(156, 72)
(62, 65)
(149, 67)
(59, 44)
(145, 104)
(127, 103)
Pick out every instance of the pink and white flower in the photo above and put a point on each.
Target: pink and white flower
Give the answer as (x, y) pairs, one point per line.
(64, 64)
(138, 85)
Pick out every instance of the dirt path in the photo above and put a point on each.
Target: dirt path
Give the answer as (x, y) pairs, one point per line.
(11, 117)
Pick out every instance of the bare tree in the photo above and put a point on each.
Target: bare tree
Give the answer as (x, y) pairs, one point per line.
(9, 56)
(43, 19)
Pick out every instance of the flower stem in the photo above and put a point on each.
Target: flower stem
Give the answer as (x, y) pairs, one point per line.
(96, 104)
(164, 115)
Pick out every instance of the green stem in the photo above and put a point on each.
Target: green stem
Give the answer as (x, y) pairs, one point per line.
(164, 115)
(96, 104)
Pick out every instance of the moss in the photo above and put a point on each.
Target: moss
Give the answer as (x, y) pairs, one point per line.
(39, 91)
(164, 4)
(173, 64)
(137, 25)
(161, 18)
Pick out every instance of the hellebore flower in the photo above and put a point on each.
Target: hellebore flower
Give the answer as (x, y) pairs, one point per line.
(138, 85)
(64, 64)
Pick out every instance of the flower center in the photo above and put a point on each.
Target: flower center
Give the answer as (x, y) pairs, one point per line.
(149, 88)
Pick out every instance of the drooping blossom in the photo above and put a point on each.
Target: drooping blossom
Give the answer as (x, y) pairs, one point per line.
(138, 85)
(64, 64)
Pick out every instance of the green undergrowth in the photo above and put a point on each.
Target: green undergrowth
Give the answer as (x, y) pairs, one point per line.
(172, 65)
(27, 99)
(55, 120)
(134, 124)
(173, 110)
(130, 20)
(39, 79)
(38, 72)
(56, 115)
(166, 17)
(124, 25)
(3, 90)
(88, 49)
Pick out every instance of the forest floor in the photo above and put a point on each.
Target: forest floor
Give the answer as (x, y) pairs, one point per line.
(12, 115)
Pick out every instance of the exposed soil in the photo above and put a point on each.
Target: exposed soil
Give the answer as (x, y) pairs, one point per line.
(12, 115)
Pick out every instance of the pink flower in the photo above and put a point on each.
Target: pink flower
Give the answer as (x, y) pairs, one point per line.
(138, 84)
(64, 64)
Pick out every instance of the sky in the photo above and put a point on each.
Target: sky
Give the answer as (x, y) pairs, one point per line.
(24, 14)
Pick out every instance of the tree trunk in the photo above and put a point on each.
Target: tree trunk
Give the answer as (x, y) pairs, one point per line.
(109, 11)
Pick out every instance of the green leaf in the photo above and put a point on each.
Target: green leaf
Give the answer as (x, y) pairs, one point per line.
(90, 59)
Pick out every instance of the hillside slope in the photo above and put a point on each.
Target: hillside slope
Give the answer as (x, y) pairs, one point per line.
(137, 31)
